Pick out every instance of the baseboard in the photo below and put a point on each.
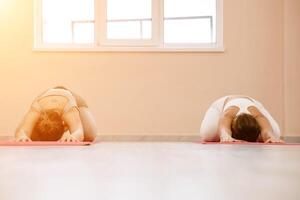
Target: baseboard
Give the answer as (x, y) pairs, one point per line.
(6, 137)
(158, 138)
(169, 138)
(292, 139)
(138, 138)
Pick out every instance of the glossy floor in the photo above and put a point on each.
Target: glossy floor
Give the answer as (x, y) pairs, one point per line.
(154, 171)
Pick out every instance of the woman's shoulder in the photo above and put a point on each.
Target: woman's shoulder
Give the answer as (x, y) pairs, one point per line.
(79, 100)
(230, 112)
(238, 98)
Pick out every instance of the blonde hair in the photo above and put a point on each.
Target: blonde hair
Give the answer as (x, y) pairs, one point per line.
(49, 127)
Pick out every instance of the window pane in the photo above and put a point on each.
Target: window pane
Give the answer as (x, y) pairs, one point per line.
(120, 30)
(146, 29)
(190, 21)
(187, 31)
(130, 19)
(57, 32)
(83, 32)
(58, 16)
(128, 9)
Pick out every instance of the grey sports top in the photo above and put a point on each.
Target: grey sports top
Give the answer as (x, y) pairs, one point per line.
(55, 92)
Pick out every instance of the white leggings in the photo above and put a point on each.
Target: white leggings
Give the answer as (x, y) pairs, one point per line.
(210, 122)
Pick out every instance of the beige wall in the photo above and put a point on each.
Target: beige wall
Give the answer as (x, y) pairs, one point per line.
(153, 93)
(292, 66)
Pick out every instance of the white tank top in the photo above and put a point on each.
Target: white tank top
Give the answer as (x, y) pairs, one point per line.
(242, 103)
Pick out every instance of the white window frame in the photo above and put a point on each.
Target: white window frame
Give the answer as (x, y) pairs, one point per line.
(101, 14)
(101, 43)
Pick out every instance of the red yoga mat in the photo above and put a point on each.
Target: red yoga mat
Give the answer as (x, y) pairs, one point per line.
(43, 143)
(253, 143)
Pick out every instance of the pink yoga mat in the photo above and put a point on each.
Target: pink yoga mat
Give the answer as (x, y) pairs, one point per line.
(43, 143)
(253, 143)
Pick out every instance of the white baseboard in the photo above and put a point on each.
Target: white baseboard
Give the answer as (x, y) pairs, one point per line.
(158, 138)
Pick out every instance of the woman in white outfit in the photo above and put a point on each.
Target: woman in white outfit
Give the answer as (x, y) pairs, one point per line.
(238, 118)
(57, 115)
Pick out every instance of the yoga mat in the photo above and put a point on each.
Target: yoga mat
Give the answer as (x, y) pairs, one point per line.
(43, 143)
(252, 143)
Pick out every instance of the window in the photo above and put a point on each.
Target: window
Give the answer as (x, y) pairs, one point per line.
(130, 19)
(67, 21)
(189, 21)
(128, 25)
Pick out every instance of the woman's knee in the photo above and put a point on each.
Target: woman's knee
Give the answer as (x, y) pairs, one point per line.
(90, 137)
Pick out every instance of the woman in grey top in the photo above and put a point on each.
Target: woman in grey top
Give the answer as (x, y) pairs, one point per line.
(57, 115)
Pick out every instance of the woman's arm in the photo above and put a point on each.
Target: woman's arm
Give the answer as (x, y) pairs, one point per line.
(72, 120)
(224, 129)
(267, 134)
(88, 123)
(87, 119)
(24, 131)
(79, 100)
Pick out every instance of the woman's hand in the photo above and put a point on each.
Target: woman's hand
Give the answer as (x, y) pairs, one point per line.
(274, 140)
(67, 137)
(23, 138)
(227, 138)
(268, 137)
(73, 122)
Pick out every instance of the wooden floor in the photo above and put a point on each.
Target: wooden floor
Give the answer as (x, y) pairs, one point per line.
(150, 171)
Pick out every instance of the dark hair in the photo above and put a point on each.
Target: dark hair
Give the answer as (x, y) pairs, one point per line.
(49, 127)
(245, 127)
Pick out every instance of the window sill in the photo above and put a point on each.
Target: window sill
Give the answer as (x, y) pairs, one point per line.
(84, 48)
